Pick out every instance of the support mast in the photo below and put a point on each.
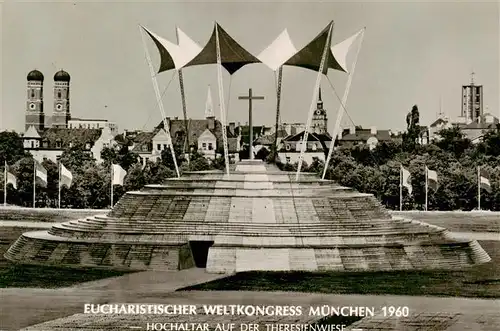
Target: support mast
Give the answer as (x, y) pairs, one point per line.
(303, 147)
(160, 103)
(341, 110)
(278, 104)
(184, 111)
(221, 98)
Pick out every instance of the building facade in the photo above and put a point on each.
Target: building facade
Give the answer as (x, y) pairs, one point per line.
(318, 139)
(47, 138)
(80, 123)
(359, 136)
(51, 143)
(472, 102)
(473, 122)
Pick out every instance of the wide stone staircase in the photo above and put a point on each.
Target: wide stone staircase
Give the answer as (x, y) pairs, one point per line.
(258, 218)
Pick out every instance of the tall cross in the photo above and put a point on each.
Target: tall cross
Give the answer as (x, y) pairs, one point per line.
(250, 97)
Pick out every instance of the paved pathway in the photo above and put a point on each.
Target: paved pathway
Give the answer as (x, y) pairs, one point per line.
(62, 309)
(21, 307)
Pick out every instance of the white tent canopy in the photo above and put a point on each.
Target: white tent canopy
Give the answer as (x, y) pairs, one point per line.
(280, 50)
(283, 52)
(187, 53)
(234, 56)
(174, 56)
(341, 50)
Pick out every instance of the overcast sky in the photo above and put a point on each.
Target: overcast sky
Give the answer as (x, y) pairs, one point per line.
(412, 53)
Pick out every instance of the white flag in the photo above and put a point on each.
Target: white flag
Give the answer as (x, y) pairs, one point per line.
(118, 174)
(66, 176)
(406, 181)
(10, 178)
(432, 178)
(41, 174)
(484, 180)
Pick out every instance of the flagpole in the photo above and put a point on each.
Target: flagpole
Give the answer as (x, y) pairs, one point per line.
(59, 193)
(34, 182)
(426, 187)
(478, 188)
(340, 112)
(401, 188)
(5, 185)
(111, 185)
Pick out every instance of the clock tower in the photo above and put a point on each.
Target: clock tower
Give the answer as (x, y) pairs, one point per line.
(61, 114)
(34, 103)
(319, 120)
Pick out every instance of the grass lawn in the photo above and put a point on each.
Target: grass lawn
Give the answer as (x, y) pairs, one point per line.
(14, 275)
(482, 281)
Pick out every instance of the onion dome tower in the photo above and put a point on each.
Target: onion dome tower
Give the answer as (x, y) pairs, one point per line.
(61, 112)
(34, 115)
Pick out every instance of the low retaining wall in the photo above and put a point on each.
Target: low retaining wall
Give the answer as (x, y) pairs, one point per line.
(458, 221)
(461, 221)
(52, 215)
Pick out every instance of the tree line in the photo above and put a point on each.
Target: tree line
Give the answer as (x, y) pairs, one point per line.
(453, 156)
(91, 184)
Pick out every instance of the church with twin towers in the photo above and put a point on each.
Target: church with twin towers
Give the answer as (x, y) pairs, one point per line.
(60, 118)
(35, 115)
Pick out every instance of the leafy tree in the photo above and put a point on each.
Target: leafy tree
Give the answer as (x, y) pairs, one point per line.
(491, 142)
(135, 178)
(412, 129)
(199, 163)
(219, 163)
(50, 194)
(23, 169)
(244, 152)
(390, 192)
(157, 172)
(386, 151)
(11, 148)
(121, 156)
(454, 141)
(316, 166)
(168, 161)
(262, 154)
(76, 159)
(363, 155)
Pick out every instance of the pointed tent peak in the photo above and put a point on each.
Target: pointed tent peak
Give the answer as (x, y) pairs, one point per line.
(164, 48)
(233, 55)
(309, 57)
(341, 50)
(174, 56)
(188, 47)
(281, 49)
